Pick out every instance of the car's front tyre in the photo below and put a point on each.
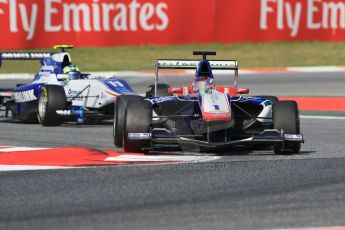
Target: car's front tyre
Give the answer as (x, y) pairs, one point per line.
(119, 117)
(138, 119)
(285, 117)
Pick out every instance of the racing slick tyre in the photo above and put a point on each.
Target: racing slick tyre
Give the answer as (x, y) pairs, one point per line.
(273, 99)
(138, 119)
(51, 98)
(119, 117)
(162, 90)
(285, 117)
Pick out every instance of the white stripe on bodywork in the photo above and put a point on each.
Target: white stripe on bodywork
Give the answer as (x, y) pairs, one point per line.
(267, 113)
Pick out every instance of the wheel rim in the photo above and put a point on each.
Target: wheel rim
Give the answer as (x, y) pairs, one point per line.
(42, 103)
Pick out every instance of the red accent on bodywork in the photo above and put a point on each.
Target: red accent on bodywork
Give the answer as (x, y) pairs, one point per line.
(186, 90)
(175, 89)
(113, 94)
(216, 116)
(241, 91)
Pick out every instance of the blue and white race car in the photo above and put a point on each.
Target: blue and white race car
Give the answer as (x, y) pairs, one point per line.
(59, 92)
(204, 116)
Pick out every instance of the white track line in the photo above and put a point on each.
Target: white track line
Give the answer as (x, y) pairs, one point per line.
(316, 69)
(4, 168)
(18, 149)
(176, 158)
(322, 117)
(315, 228)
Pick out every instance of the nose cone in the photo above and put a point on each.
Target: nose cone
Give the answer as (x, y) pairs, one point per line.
(215, 107)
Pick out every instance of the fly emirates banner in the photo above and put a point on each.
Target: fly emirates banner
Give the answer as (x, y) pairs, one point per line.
(92, 23)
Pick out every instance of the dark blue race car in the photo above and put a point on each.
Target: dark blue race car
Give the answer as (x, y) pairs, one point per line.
(203, 116)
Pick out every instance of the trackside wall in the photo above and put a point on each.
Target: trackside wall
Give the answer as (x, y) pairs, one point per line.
(87, 23)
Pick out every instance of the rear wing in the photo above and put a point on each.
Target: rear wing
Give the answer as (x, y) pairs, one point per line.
(23, 56)
(193, 64)
(26, 56)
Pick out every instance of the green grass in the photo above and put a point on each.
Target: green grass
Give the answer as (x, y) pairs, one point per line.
(249, 55)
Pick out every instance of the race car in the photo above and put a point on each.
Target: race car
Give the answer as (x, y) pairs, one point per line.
(60, 92)
(203, 116)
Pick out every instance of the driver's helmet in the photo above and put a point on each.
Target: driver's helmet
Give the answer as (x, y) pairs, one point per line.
(203, 80)
(203, 84)
(73, 72)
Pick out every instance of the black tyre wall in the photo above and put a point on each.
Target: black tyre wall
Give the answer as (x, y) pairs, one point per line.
(119, 117)
(56, 101)
(138, 118)
(285, 117)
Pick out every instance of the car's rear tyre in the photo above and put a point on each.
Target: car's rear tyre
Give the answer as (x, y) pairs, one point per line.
(119, 117)
(51, 98)
(138, 119)
(162, 91)
(285, 117)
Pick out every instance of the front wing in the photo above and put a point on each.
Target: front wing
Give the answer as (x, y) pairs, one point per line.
(269, 137)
